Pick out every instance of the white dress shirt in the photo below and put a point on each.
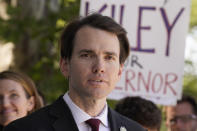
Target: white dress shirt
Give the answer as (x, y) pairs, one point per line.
(80, 116)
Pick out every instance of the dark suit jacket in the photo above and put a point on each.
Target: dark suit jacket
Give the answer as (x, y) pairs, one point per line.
(58, 117)
(1, 127)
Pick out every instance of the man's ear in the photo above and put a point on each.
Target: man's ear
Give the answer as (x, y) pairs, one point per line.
(64, 67)
(120, 70)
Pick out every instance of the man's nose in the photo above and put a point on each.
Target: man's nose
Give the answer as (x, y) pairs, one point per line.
(98, 66)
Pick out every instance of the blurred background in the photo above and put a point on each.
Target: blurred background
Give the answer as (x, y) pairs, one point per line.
(29, 32)
(190, 70)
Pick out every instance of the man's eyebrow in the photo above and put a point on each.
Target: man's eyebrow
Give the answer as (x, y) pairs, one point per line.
(111, 53)
(91, 51)
(85, 51)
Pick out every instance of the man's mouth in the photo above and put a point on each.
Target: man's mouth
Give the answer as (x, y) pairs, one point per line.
(96, 81)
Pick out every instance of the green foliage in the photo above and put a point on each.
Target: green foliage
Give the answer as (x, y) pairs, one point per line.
(193, 19)
(44, 69)
(190, 85)
(190, 79)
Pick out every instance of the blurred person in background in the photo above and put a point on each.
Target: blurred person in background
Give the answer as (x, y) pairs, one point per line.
(142, 111)
(183, 116)
(18, 97)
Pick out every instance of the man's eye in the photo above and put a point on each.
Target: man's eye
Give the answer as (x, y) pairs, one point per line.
(109, 57)
(85, 55)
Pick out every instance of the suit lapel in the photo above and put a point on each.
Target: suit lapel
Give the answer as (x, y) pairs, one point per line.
(64, 119)
(114, 125)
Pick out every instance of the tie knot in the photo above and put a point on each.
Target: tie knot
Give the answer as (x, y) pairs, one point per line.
(94, 124)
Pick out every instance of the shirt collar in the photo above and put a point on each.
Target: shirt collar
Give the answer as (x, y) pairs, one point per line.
(80, 116)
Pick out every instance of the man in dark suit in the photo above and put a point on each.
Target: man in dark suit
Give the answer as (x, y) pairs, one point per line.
(93, 51)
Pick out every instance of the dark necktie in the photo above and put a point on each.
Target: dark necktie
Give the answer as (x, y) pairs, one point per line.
(94, 124)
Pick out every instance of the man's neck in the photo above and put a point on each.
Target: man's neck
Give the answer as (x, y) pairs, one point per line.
(91, 106)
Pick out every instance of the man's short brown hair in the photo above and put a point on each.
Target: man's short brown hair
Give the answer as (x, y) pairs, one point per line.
(97, 21)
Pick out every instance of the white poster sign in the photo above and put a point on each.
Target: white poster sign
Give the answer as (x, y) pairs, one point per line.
(156, 30)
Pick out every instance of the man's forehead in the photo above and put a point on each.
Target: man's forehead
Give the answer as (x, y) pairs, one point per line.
(90, 29)
(92, 39)
(86, 28)
(184, 108)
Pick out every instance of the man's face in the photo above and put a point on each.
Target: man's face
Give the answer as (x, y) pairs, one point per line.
(182, 118)
(94, 68)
